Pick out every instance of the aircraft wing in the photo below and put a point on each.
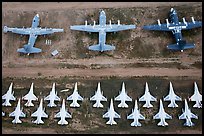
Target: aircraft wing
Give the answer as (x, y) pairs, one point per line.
(67, 115)
(57, 98)
(45, 31)
(177, 98)
(22, 114)
(93, 98)
(106, 115)
(142, 98)
(44, 114)
(193, 116)
(182, 116)
(130, 116)
(80, 98)
(86, 28)
(195, 97)
(167, 98)
(47, 98)
(141, 116)
(23, 31)
(190, 25)
(162, 27)
(103, 98)
(4, 96)
(116, 115)
(167, 116)
(70, 97)
(12, 114)
(115, 27)
(58, 115)
(153, 98)
(118, 98)
(128, 98)
(12, 97)
(157, 116)
(35, 114)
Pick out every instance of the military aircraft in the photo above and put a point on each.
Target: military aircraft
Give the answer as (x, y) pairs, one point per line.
(102, 29)
(74, 97)
(63, 114)
(123, 97)
(33, 33)
(52, 97)
(197, 97)
(162, 115)
(187, 114)
(175, 27)
(8, 96)
(29, 97)
(111, 114)
(136, 115)
(147, 97)
(40, 113)
(98, 97)
(17, 113)
(172, 97)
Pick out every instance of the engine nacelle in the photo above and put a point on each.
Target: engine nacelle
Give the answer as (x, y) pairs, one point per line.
(184, 21)
(167, 22)
(118, 22)
(159, 23)
(94, 23)
(193, 20)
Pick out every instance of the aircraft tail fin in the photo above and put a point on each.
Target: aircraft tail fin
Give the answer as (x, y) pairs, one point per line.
(101, 48)
(181, 45)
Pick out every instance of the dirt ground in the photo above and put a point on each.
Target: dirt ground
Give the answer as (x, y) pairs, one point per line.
(140, 56)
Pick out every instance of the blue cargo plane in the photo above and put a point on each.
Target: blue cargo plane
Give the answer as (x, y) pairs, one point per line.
(175, 26)
(102, 28)
(33, 33)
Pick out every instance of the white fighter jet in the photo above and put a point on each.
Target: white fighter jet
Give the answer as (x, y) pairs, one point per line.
(197, 97)
(17, 113)
(98, 97)
(52, 97)
(29, 97)
(147, 97)
(111, 114)
(63, 114)
(74, 97)
(40, 113)
(8, 96)
(162, 115)
(136, 115)
(187, 114)
(172, 97)
(123, 97)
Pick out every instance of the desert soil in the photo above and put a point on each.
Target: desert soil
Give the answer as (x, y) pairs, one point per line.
(138, 54)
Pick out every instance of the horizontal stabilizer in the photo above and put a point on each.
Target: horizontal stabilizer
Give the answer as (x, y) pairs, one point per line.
(38, 121)
(123, 105)
(98, 104)
(32, 50)
(62, 122)
(172, 105)
(101, 48)
(162, 123)
(180, 46)
(148, 105)
(136, 124)
(15, 121)
(74, 104)
(111, 122)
